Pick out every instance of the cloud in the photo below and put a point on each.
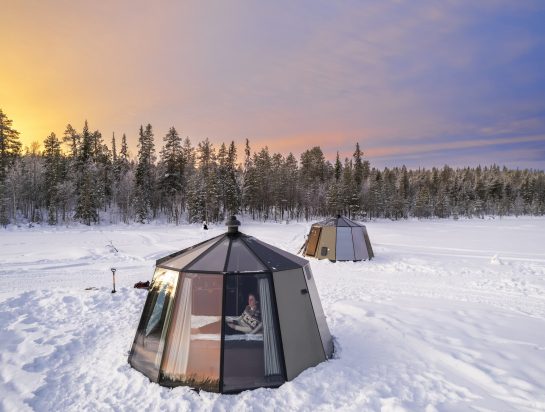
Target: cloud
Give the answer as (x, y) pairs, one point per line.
(423, 148)
(391, 74)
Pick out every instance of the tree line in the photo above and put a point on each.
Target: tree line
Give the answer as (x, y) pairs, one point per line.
(78, 177)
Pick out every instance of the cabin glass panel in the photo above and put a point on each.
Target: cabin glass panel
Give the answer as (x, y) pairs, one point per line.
(345, 245)
(192, 350)
(149, 342)
(252, 355)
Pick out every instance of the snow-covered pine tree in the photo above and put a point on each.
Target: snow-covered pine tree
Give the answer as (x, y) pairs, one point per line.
(54, 176)
(398, 201)
(188, 155)
(114, 149)
(32, 198)
(113, 207)
(102, 157)
(375, 194)
(189, 164)
(85, 150)
(290, 177)
(358, 166)
(97, 145)
(232, 189)
(441, 207)
(389, 190)
(171, 175)
(271, 185)
(122, 182)
(263, 172)
(313, 174)
(87, 206)
(332, 198)
(206, 156)
(10, 149)
(359, 171)
(69, 189)
(87, 203)
(313, 166)
(338, 168)
(196, 204)
(66, 195)
(349, 193)
(422, 202)
(277, 186)
(123, 155)
(72, 139)
(144, 175)
(221, 176)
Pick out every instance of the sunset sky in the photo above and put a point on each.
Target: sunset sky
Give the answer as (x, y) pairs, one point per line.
(417, 82)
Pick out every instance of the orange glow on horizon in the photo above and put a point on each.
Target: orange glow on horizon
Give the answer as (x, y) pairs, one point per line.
(252, 72)
(32, 130)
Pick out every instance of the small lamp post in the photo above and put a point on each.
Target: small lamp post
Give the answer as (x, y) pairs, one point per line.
(113, 277)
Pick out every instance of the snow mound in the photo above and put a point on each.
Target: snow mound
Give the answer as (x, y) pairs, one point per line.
(496, 260)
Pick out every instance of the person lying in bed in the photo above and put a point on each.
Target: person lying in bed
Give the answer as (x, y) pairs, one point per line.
(250, 320)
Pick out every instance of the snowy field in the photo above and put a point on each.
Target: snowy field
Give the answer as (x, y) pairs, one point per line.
(450, 316)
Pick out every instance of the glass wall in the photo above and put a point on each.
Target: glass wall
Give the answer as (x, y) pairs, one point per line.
(360, 248)
(149, 342)
(193, 342)
(252, 355)
(345, 245)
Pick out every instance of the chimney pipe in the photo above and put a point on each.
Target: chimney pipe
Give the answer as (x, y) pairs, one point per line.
(232, 225)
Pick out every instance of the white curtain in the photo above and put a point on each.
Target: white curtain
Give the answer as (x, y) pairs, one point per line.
(179, 335)
(270, 345)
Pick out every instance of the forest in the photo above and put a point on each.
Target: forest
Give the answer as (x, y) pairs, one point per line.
(79, 177)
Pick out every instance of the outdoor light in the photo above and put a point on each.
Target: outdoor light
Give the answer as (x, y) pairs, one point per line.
(113, 278)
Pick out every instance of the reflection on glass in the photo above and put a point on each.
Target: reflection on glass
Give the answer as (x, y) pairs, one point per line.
(192, 351)
(251, 352)
(150, 337)
(213, 260)
(276, 258)
(241, 259)
(181, 261)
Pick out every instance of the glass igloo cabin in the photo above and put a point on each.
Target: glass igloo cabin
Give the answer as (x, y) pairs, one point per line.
(229, 314)
(338, 239)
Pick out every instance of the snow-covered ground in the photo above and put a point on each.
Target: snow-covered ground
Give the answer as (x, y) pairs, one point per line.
(450, 316)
